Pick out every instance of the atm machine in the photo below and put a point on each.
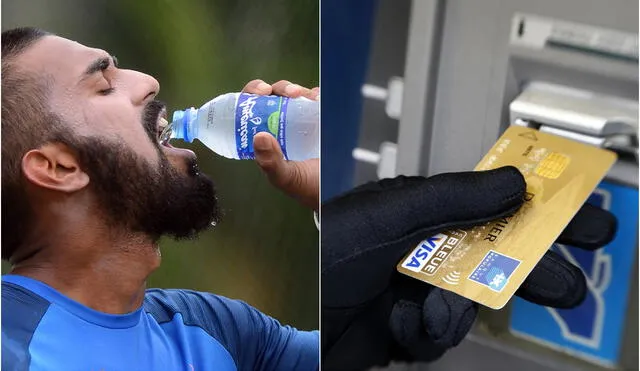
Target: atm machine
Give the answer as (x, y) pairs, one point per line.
(469, 70)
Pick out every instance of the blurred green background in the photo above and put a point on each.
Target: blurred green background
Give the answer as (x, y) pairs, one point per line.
(265, 251)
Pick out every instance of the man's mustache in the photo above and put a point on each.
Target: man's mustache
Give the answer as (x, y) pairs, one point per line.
(150, 116)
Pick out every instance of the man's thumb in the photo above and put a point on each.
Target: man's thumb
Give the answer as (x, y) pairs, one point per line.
(270, 158)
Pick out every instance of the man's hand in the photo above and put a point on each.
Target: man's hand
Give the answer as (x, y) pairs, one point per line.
(298, 179)
(371, 314)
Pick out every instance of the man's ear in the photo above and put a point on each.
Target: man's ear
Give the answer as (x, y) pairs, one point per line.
(54, 166)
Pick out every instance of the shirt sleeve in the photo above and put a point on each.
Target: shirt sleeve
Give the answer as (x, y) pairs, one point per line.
(254, 340)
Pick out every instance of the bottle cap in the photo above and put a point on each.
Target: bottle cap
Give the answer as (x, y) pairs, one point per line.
(180, 123)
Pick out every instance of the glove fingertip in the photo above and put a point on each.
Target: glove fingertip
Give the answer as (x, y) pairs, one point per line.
(554, 282)
(471, 198)
(448, 317)
(590, 229)
(405, 322)
(407, 329)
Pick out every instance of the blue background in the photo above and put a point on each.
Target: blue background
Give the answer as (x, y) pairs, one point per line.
(346, 35)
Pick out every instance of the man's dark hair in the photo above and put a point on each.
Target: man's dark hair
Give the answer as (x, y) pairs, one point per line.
(16, 40)
(26, 124)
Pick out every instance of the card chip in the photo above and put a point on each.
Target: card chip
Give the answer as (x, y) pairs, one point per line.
(553, 165)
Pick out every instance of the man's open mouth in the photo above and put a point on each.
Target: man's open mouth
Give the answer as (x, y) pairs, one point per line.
(164, 129)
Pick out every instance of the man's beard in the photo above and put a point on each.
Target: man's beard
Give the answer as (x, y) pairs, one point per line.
(139, 197)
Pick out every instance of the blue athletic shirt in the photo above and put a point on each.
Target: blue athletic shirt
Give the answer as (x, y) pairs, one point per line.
(173, 330)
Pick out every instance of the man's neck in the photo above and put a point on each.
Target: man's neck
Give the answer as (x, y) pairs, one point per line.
(104, 273)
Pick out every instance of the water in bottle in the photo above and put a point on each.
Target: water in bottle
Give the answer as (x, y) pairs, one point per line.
(228, 123)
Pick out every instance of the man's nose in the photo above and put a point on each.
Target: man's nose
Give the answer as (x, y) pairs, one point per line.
(144, 87)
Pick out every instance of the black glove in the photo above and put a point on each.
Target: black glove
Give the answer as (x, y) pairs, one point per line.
(371, 314)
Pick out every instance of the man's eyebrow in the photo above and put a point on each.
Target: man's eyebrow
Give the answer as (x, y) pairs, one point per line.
(99, 65)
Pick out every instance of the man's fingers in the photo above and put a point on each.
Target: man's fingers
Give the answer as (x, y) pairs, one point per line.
(291, 90)
(283, 88)
(298, 179)
(287, 89)
(257, 86)
(314, 94)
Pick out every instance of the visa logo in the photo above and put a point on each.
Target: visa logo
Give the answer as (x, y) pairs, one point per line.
(420, 256)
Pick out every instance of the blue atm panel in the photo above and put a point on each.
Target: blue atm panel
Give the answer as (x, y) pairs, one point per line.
(595, 329)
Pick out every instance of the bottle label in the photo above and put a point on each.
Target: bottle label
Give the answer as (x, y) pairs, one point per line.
(257, 113)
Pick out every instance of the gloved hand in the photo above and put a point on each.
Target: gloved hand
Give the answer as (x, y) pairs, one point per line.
(371, 314)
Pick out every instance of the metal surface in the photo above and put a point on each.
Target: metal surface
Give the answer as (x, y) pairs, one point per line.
(462, 71)
(479, 73)
(575, 110)
(414, 135)
(597, 119)
(386, 60)
(483, 351)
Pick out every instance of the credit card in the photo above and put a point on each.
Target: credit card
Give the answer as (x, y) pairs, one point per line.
(488, 263)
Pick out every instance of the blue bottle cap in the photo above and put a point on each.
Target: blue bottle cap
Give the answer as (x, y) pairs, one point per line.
(179, 123)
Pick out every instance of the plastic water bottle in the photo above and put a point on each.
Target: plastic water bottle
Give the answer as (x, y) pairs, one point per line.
(228, 123)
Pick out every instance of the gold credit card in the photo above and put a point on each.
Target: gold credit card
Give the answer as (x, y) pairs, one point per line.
(489, 262)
